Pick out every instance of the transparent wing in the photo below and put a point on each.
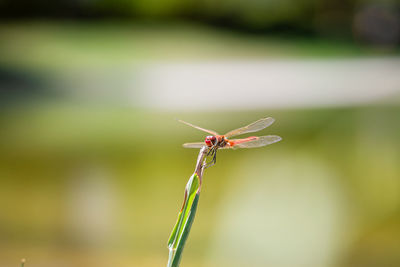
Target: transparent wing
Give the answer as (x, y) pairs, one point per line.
(253, 127)
(256, 141)
(194, 145)
(199, 128)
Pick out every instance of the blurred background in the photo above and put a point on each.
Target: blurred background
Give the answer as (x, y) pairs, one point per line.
(92, 171)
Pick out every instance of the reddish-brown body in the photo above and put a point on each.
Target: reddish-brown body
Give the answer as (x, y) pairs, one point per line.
(220, 141)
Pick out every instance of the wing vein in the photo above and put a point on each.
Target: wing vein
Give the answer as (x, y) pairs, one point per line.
(252, 127)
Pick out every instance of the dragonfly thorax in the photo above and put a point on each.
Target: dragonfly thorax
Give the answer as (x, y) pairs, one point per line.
(210, 140)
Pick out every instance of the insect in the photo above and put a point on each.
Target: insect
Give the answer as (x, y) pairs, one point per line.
(215, 141)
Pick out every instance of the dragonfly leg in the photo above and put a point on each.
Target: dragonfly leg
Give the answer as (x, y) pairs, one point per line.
(210, 164)
(213, 153)
(210, 152)
(215, 157)
(213, 161)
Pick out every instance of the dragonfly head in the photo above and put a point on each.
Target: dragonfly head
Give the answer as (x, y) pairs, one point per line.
(210, 140)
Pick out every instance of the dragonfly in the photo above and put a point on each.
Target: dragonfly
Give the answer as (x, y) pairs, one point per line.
(215, 141)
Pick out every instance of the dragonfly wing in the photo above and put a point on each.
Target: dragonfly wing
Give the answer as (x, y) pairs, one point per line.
(199, 128)
(256, 141)
(194, 145)
(253, 127)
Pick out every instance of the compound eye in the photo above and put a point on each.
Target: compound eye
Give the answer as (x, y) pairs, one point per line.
(208, 141)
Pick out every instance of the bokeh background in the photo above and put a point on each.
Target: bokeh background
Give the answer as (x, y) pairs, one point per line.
(92, 171)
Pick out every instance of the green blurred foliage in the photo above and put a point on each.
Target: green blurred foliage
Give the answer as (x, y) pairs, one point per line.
(60, 161)
(336, 19)
(86, 180)
(70, 46)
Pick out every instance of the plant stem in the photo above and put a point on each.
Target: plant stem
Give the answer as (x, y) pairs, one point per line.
(182, 227)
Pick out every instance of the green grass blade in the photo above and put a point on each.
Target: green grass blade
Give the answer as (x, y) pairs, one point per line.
(182, 227)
